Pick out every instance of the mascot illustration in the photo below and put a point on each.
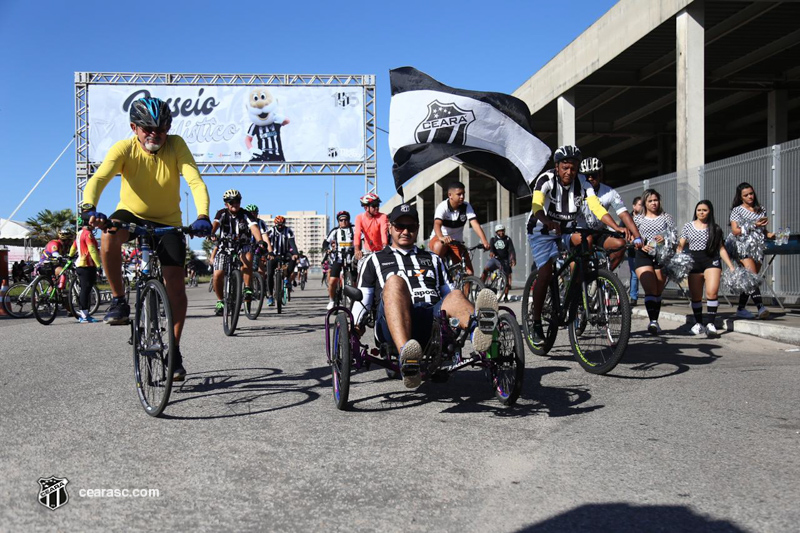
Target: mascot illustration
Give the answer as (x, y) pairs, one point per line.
(266, 125)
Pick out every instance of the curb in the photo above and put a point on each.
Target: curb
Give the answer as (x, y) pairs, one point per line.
(756, 328)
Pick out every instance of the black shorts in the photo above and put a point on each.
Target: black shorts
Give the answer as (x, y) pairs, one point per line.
(171, 247)
(644, 259)
(703, 261)
(422, 316)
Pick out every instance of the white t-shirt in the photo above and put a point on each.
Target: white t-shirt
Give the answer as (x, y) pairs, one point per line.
(609, 199)
(453, 220)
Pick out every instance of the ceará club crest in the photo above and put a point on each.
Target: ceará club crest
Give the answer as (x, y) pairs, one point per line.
(445, 123)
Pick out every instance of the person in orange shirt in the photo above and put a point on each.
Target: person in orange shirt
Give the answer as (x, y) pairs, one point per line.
(372, 225)
(86, 266)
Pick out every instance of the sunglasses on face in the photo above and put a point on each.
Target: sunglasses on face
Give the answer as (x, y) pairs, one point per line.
(151, 131)
(374, 205)
(234, 202)
(402, 227)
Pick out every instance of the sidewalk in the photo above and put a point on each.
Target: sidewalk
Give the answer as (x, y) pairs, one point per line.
(783, 325)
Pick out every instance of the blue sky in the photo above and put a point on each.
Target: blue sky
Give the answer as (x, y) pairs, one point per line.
(491, 46)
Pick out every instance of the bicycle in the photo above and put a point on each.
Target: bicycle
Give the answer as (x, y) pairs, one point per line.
(457, 272)
(496, 281)
(231, 246)
(303, 278)
(348, 277)
(254, 304)
(48, 290)
(152, 333)
(588, 299)
(504, 361)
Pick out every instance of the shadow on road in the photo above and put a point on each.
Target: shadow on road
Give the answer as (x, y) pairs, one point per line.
(237, 392)
(649, 357)
(618, 517)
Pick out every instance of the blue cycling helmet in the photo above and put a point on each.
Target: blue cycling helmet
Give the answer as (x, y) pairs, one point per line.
(151, 113)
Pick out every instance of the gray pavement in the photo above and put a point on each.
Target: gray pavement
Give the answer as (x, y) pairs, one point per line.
(687, 434)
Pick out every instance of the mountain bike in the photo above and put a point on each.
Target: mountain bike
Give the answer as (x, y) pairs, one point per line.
(254, 303)
(231, 247)
(588, 299)
(458, 274)
(48, 291)
(347, 278)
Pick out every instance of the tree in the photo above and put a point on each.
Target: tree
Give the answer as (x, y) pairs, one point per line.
(47, 224)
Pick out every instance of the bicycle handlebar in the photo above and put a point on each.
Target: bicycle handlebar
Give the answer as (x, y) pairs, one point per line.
(141, 230)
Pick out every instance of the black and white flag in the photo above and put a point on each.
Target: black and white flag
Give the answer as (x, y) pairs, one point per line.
(430, 122)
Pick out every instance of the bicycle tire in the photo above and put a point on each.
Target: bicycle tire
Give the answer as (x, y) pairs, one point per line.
(44, 301)
(153, 347)
(232, 301)
(597, 348)
(340, 362)
(74, 297)
(499, 280)
(302, 284)
(476, 286)
(69, 304)
(549, 320)
(18, 300)
(253, 307)
(508, 370)
(277, 290)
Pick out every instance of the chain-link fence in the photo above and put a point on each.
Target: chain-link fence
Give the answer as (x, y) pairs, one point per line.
(773, 172)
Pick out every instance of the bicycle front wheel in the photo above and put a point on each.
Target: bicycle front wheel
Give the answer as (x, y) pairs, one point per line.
(475, 286)
(600, 324)
(549, 317)
(233, 302)
(18, 300)
(44, 301)
(497, 282)
(277, 289)
(508, 368)
(153, 348)
(340, 362)
(252, 306)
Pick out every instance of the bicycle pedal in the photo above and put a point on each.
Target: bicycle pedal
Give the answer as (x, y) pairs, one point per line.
(487, 320)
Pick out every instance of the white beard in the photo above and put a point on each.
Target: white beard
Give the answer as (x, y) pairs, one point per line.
(150, 147)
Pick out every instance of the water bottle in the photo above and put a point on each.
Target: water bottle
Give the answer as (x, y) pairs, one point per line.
(786, 234)
(779, 237)
(145, 250)
(62, 280)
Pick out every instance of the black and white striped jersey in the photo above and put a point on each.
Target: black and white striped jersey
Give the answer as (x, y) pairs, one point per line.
(268, 138)
(740, 214)
(650, 227)
(453, 220)
(340, 241)
(235, 225)
(423, 272)
(696, 238)
(282, 241)
(609, 199)
(562, 204)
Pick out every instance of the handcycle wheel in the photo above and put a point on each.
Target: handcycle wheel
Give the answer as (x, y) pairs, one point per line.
(277, 290)
(18, 300)
(252, 307)
(508, 368)
(599, 344)
(340, 362)
(233, 302)
(476, 285)
(44, 301)
(549, 318)
(153, 348)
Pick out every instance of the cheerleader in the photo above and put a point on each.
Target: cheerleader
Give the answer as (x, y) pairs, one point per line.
(653, 224)
(747, 209)
(707, 249)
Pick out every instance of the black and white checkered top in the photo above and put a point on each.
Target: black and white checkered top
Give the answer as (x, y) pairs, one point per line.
(650, 227)
(696, 238)
(740, 214)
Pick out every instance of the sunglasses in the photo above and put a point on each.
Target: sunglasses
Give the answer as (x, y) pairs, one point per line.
(402, 227)
(234, 202)
(373, 205)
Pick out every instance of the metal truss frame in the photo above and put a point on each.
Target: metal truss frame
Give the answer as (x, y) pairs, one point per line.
(367, 168)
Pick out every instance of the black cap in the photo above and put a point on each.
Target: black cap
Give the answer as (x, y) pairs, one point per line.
(404, 210)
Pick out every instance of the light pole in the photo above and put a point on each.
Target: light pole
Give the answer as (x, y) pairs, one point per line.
(326, 212)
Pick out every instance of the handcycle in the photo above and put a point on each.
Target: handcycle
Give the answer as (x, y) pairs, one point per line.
(152, 333)
(47, 291)
(504, 361)
(457, 270)
(588, 299)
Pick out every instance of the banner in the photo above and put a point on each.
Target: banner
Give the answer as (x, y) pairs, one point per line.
(240, 124)
(430, 122)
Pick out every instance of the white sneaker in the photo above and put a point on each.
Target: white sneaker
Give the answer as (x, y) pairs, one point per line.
(763, 313)
(698, 329)
(711, 331)
(330, 305)
(744, 313)
(654, 328)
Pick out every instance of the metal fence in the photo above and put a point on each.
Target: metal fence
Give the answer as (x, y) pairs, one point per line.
(774, 173)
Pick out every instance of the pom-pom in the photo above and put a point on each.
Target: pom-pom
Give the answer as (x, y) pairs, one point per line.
(679, 266)
(740, 280)
(750, 243)
(666, 249)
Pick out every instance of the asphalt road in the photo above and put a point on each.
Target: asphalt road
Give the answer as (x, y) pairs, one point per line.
(686, 434)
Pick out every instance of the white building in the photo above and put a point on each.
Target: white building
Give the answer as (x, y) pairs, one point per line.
(310, 229)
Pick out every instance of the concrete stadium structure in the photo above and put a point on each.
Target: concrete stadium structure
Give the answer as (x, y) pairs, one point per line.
(652, 88)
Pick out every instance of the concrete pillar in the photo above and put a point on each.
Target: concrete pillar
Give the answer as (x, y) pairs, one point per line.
(690, 119)
(566, 118)
(463, 177)
(438, 193)
(503, 202)
(421, 235)
(777, 117)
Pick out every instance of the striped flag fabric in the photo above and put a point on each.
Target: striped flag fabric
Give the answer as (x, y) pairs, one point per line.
(430, 122)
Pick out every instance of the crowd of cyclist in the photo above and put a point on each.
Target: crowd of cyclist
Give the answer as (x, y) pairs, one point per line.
(571, 194)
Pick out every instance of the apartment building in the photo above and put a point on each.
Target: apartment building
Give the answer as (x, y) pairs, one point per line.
(310, 229)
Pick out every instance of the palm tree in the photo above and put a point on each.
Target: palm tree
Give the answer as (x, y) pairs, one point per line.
(47, 224)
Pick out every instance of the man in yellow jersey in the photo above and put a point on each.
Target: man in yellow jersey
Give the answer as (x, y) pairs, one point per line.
(558, 195)
(151, 163)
